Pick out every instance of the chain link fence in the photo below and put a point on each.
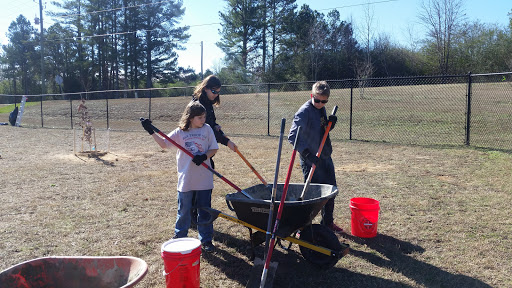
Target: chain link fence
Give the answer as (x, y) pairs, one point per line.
(467, 109)
(490, 102)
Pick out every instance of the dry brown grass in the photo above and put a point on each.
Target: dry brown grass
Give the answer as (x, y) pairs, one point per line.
(444, 219)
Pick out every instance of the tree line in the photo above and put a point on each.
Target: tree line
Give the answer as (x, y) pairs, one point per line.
(129, 44)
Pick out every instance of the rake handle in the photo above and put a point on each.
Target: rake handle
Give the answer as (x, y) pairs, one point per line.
(274, 187)
(279, 213)
(250, 166)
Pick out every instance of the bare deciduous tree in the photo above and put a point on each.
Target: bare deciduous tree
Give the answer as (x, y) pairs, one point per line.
(442, 18)
(365, 69)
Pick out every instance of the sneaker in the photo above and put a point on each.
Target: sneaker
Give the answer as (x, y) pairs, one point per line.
(334, 228)
(208, 247)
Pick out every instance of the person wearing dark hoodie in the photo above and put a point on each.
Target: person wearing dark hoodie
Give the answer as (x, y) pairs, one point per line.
(208, 93)
(13, 116)
(313, 120)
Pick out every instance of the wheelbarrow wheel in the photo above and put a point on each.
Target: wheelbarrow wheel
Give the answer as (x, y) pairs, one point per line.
(320, 235)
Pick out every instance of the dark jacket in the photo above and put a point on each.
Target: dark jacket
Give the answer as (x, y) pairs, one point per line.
(212, 121)
(13, 116)
(313, 123)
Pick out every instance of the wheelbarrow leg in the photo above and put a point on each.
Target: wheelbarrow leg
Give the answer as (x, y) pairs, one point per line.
(253, 253)
(257, 238)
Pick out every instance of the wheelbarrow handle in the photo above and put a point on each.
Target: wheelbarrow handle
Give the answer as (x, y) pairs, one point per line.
(214, 214)
(326, 251)
(228, 203)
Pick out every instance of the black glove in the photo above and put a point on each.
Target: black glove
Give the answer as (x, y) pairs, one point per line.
(146, 123)
(310, 157)
(333, 119)
(198, 159)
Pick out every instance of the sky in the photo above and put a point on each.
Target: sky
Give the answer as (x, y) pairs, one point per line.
(396, 18)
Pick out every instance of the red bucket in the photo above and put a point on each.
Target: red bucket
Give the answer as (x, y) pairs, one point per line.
(181, 262)
(365, 215)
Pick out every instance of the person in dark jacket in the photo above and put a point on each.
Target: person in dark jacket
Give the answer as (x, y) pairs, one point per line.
(313, 120)
(208, 94)
(13, 116)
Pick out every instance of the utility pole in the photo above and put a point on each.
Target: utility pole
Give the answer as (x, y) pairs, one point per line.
(41, 42)
(202, 76)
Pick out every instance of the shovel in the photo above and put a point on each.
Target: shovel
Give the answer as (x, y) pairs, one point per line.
(279, 212)
(274, 190)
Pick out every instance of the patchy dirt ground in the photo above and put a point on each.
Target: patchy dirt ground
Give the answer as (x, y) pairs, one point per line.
(444, 218)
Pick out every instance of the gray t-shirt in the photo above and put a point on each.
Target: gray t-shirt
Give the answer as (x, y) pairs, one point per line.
(197, 141)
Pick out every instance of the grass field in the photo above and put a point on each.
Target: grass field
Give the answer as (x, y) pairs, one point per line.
(4, 108)
(418, 114)
(444, 218)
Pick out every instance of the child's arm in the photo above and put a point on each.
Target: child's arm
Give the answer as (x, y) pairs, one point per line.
(211, 152)
(200, 158)
(231, 145)
(159, 140)
(146, 123)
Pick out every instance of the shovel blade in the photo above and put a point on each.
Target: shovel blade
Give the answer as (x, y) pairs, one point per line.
(257, 269)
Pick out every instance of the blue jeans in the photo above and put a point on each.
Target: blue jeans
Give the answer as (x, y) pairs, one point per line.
(324, 174)
(185, 205)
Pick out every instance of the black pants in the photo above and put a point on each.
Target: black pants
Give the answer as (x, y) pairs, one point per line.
(324, 174)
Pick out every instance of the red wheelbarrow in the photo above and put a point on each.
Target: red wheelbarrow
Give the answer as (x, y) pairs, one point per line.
(78, 272)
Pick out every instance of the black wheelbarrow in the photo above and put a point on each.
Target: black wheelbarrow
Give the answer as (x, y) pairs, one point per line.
(317, 243)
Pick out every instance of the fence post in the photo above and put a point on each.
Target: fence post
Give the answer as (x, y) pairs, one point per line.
(468, 111)
(149, 108)
(108, 124)
(42, 111)
(71, 110)
(351, 108)
(268, 109)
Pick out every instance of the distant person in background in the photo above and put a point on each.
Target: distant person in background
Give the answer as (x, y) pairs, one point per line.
(13, 116)
(313, 120)
(193, 181)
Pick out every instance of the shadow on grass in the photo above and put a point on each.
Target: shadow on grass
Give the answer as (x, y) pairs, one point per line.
(396, 258)
(234, 267)
(292, 271)
(96, 156)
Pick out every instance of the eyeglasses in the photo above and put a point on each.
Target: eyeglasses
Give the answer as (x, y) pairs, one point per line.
(320, 101)
(215, 91)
